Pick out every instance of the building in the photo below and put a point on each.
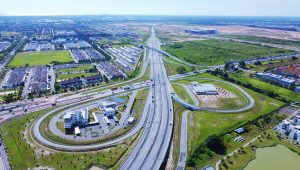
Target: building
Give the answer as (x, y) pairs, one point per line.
(76, 118)
(40, 80)
(108, 111)
(290, 129)
(93, 80)
(200, 32)
(205, 89)
(277, 79)
(130, 120)
(107, 104)
(77, 82)
(239, 130)
(291, 70)
(16, 78)
(77, 131)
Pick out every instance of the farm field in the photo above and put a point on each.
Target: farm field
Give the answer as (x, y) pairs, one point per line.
(214, 52)
(264, 40)
(40, 58)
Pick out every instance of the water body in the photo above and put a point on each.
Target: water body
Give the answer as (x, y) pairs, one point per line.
(275, 158)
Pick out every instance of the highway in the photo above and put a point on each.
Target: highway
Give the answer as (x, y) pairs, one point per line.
(183, 142)
(4, 163)
(151, 149)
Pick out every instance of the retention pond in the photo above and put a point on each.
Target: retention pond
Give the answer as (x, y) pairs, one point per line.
(274, 158)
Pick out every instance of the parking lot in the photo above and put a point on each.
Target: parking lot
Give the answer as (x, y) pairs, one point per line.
(4, 45)
(126, 57)
(110, 70)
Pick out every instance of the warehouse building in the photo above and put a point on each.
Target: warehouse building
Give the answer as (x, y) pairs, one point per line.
(205, 89)
(200, 32)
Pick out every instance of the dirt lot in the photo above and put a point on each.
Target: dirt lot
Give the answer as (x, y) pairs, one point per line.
(231, 30)
(213, 101)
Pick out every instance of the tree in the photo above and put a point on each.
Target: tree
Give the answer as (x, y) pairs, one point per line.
(9, 98)
(229, 66)
(294, 58)
(242, 64)
(257, 63)
(181, 70)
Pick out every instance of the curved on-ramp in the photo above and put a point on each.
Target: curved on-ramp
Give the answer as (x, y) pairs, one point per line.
(39, 138)
(249, 98)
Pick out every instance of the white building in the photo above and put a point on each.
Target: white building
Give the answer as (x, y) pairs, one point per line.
(108, 111)
(77, 130)
(110, 104)
(205, 89)
(131, 120)
(79, 118)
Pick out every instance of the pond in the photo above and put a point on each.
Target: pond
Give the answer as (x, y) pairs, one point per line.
(274, 158)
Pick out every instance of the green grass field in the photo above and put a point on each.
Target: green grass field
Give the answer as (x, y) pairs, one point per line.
(70, 73)
(282, 92)
(40, 58)
(172, 66)
(181, 92)
(213, 52)
(264, 40)
(272, 64)
(231, 103)
(205, 124)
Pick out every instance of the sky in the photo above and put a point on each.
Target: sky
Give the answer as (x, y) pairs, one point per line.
(152, 7)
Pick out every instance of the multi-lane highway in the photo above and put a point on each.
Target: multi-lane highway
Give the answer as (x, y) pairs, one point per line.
(151, 149)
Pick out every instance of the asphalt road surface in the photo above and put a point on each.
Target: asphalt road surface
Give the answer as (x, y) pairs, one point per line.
(151, 149)
(183, 142)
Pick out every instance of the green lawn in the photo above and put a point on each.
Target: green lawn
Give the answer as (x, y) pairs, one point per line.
(264, 40)
(172, 66)
(206, 124)
(181, 92)
(231, 103)
(282, 92)
(268, 139)
(71, 76)
(40, 58)
(70, 73)
(213, 52)
(85, 67)
(139, 102)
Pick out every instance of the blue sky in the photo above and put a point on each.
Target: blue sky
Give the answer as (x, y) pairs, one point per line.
(152, 7)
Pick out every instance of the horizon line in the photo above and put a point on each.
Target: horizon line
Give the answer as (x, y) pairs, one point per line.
(184, 15)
